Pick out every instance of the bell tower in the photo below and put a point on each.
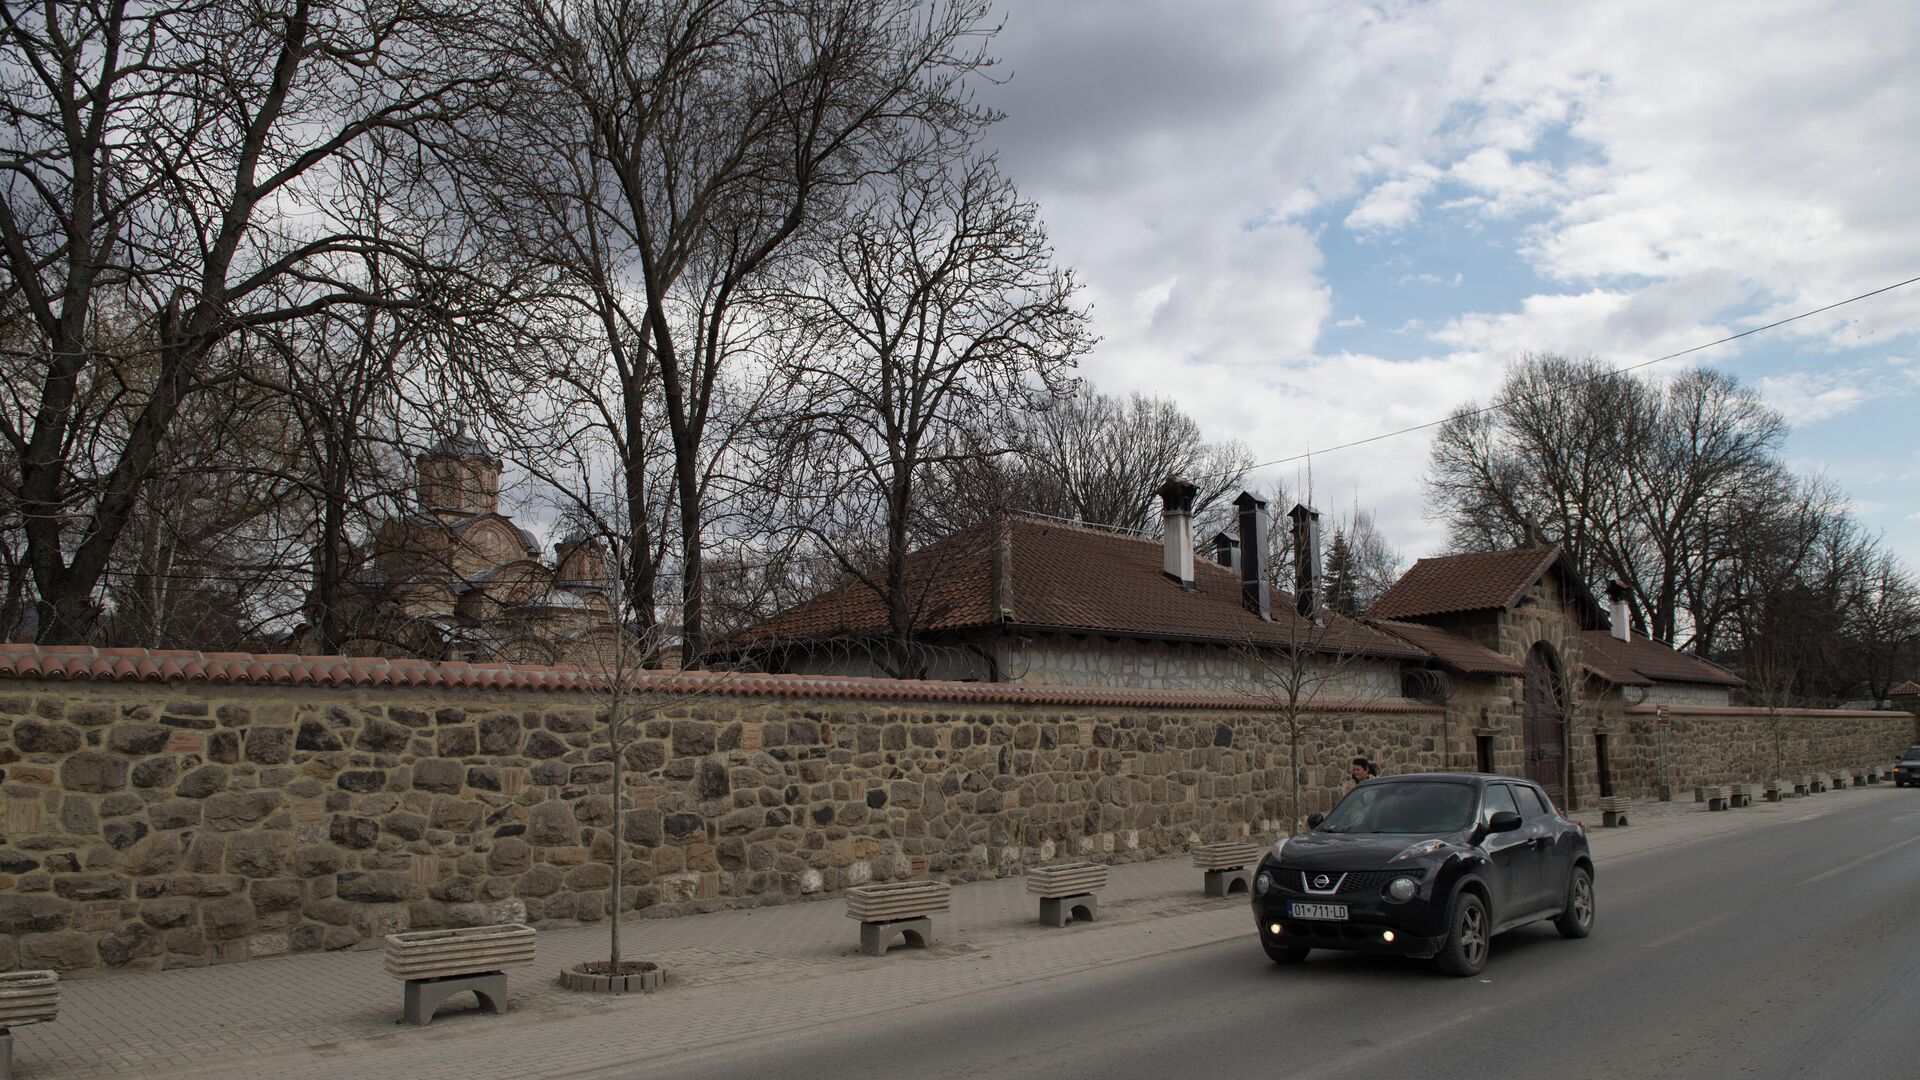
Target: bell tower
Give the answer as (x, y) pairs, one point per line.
(459, 475)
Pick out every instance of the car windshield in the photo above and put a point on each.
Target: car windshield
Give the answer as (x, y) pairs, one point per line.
(1913, 753)
(1403, 807)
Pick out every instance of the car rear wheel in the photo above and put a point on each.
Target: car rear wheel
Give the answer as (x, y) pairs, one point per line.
(1284, 954)
(1577, 920)
(1468, 937)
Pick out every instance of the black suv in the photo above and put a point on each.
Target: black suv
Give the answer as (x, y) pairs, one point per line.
(1427, 864)
(1908, 770)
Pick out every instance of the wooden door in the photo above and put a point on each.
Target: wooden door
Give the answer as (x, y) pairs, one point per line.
(1543, 726)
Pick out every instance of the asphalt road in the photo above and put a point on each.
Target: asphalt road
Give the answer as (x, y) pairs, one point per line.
(1788, 950)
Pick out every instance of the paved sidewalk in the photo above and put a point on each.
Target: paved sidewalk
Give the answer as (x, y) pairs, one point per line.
(732, 975)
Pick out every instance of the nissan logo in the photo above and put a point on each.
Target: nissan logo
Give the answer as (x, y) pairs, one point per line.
(1321, 881)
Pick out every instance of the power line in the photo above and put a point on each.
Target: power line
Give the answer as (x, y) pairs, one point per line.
(1574, 385)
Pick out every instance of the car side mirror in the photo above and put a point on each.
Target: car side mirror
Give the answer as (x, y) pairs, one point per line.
(1314, 820)
(1503, 821)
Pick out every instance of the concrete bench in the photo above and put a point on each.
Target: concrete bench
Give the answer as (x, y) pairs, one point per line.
(1816, 783)
(1776, 790)
(1837, 781)
(1873, 774)
(437, 964)
(1613, 810)
(903, 908)
(1859, 776)
(1718, 796)
(26, 997)
(1228, 865)
(1700, 793)
(1066, 891)
(1803, 785)
(1739, 795)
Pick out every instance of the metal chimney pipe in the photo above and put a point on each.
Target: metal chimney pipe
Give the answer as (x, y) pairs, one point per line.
(1620, 623)
(1306, 559)
(1176, 499)
(1253, 554)
(1226, 550)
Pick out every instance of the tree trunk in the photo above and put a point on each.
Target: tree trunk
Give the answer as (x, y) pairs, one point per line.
(66, 617)
(1293, 774)
(899, 618)
(619, 830)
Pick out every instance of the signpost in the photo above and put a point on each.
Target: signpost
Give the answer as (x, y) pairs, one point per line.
(1666, 775)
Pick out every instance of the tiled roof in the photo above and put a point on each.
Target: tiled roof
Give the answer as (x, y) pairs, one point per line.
(1906, 689)
(1475, 582)
(1074, 579)
(226, 669)
(949, 585)
(1454, 651)
(1615, 660)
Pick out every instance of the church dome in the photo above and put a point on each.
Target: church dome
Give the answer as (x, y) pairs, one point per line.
(461, 446)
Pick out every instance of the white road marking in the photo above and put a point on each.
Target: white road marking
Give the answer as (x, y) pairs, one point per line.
(1862, 860)
(1695, 928)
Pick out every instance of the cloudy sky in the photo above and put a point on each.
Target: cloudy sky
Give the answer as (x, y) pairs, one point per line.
(1310, 221)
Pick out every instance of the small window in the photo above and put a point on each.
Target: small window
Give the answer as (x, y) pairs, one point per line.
(1483, 744)
(1498, 797)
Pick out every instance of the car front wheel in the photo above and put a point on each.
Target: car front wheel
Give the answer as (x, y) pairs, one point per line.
(1577, 920)
(1469, 933)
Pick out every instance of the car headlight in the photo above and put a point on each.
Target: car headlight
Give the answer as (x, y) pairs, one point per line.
(1401, 889)
(1261, 883)
(1279, 848)
(1424, 847)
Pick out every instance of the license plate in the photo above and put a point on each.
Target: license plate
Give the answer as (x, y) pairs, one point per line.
(1317, 911)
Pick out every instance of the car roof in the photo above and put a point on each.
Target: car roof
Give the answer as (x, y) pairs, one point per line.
(1451, 778)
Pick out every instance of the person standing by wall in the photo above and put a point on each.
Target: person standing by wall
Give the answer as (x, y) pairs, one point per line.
(1362, 769)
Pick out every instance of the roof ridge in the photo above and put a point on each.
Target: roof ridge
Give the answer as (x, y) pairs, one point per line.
(1117, 532)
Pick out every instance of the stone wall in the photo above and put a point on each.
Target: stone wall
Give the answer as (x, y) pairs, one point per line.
(1707, 745)
(150, 825)
(1091, 660)
(154, 824)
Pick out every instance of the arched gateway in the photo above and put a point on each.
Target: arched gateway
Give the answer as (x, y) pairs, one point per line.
(1544, 721)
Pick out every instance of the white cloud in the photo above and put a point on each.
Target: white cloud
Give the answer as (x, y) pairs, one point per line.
(1394, 204)
(1811, 396)
(1808, 398)
(1664, 200)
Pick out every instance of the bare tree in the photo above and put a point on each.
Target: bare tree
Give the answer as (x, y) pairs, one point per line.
(630, 695)
(151, 156)
(1106, 457)
(1631, 477)
(1313, 684)
(726, 128)
(936, 304)
(1883, 622)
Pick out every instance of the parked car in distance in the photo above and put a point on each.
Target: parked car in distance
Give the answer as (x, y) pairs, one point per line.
(1908, 770)
(1425, 864)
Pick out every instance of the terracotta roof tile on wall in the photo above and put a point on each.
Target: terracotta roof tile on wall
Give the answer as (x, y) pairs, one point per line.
(34, 662)
(1613, 659)
(1906, 689)
(1074, 579)
(1490, 580)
